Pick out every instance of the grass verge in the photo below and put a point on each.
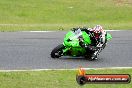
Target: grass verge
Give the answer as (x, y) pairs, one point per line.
(26, 15)
(55, 79)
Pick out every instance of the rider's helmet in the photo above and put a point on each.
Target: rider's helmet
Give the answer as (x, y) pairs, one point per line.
(97, 31)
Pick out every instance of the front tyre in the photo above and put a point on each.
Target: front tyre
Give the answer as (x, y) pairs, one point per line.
(57, 51)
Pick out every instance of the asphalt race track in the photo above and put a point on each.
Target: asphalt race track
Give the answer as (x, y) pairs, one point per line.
(31, 50)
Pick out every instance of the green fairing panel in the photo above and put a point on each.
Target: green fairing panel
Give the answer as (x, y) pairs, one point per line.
(108, 36)
(74, 46)
(86, 38)
(68, 35)
(75, 42)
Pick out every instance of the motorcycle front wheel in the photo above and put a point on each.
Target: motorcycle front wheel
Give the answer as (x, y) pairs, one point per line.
(57, 51)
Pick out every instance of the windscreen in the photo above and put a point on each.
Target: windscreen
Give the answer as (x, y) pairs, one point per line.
(77, 33)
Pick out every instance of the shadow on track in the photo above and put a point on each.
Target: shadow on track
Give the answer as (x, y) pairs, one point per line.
(77, 59)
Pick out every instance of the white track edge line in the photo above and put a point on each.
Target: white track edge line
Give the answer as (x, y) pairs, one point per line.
(66, 69)
(39, 31)
(59, 31)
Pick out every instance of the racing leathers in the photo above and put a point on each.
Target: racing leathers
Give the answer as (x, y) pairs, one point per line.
(98, 40)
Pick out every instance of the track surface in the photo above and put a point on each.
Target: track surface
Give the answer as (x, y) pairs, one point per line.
(26, 50)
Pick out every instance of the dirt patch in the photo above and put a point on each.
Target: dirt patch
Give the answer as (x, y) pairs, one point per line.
(123, 2)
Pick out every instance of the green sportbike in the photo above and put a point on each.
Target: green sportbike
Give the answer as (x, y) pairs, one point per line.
(71, 45)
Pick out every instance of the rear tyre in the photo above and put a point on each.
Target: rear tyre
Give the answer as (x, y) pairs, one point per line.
(57, 51)
(91, 57)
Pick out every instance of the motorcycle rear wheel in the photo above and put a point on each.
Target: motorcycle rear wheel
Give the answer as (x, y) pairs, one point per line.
(91, 57)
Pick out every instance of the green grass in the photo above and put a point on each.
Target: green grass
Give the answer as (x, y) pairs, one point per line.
(55, 79)
(22, 15)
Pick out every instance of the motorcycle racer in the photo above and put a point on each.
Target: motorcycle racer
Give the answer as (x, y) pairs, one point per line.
(98, 40)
